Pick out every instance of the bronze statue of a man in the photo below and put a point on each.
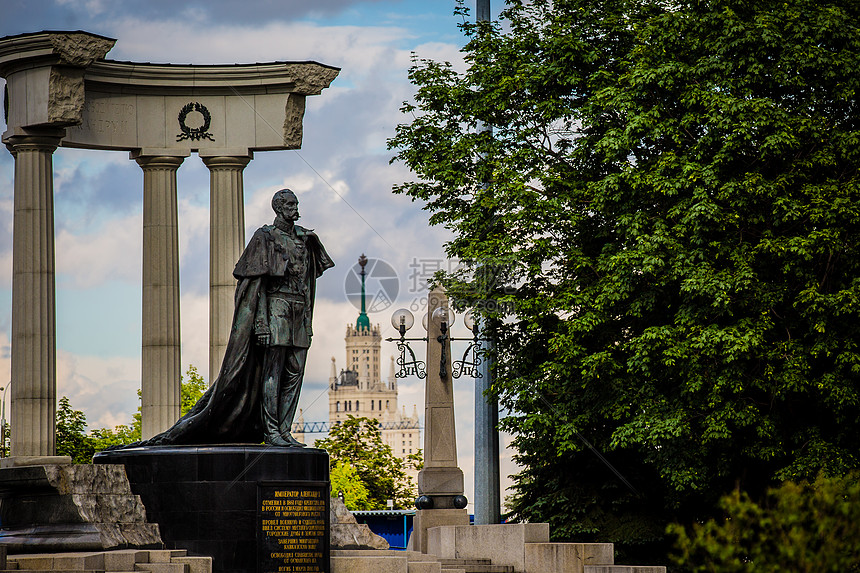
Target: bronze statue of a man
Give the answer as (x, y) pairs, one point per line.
(255, 396)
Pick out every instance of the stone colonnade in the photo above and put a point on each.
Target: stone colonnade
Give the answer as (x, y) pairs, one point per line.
(33, 316)
(61, 92)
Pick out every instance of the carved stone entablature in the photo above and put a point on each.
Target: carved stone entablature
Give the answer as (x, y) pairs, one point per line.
(48, 67)
(60, 79)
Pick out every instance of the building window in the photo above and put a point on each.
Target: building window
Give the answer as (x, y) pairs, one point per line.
(337, 406)
(371, 405)
(380, 404)
(386, 404)
(357, 407)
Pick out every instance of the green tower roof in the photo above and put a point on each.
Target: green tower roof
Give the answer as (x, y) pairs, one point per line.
(363, 321)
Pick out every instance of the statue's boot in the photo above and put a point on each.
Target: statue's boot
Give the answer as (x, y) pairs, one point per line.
(277, 440)
(292, 441)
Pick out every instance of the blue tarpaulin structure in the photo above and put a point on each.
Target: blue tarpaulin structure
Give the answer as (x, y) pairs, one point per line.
(393, 525)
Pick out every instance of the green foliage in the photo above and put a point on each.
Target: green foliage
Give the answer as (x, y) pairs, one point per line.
(415, 461)
(121, 435)
(5, 440)
(358, 443)
(191, 390)
(71, 437)
(663, 233)
(800, 527)
(346, 481)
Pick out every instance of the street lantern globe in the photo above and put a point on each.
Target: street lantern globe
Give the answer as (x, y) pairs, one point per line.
(469, 320)
(443, 316)
(402, 320)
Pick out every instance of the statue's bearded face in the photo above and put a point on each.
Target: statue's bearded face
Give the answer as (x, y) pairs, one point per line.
(287, 206)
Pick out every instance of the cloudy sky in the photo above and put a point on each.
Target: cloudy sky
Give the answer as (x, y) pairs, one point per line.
(342, 176)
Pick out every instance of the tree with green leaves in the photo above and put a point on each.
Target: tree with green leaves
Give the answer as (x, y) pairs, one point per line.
(801, 527)
(346, 483)
(72, 439)
(357, 443)
(191, 389)
(662, 232)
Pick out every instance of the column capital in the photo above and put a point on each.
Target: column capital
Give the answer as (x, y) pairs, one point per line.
(158, 161)
(154, 152)
(226, 161)
(33, 140)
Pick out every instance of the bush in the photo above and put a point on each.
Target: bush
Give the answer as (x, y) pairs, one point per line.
(798, 527)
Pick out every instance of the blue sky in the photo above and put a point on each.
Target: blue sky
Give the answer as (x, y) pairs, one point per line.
(341, 175)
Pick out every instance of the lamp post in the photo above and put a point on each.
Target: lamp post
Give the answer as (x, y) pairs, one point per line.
(487, 484)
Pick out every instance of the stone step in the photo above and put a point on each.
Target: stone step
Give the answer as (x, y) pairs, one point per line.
(625, 569)
(57, 562)
(423, 567)
(194, 564)
(475, 566)
(368, 562)
(55, 570)
(164, 555)
(161, 567)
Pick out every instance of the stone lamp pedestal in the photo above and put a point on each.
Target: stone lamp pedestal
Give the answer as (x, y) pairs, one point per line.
(440, 482)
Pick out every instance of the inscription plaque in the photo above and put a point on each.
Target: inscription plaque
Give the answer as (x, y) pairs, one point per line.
(293, 527)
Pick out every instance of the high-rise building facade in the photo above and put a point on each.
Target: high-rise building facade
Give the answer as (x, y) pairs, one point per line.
(358, 390)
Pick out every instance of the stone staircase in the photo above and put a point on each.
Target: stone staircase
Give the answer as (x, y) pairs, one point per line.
(516, 548)
(521, 548)
(624, 569)
(474, 566)
(390, 561)
(120, 561)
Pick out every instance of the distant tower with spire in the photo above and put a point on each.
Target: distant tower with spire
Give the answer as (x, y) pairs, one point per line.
(358, 389)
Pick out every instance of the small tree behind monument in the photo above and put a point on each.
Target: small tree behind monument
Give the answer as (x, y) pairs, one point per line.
(358, 443)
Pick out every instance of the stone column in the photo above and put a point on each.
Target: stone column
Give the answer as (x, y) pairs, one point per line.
(440, 482)
(34, 372)
(226, 241)
(160, 355)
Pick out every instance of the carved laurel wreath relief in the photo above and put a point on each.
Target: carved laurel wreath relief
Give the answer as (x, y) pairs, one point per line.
(195, 133)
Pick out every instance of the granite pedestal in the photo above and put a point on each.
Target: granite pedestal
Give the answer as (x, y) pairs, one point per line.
(207, 499)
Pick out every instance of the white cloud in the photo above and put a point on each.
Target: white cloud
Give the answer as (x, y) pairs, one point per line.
(103, 388)
(112, 252)
(194, 330)
(350, 47)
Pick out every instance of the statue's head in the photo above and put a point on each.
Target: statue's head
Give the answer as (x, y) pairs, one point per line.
(286, 204)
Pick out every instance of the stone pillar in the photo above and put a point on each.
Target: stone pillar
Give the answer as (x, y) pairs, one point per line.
(160, 356)
(440, 482)
(34, 372)
(226, 241)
